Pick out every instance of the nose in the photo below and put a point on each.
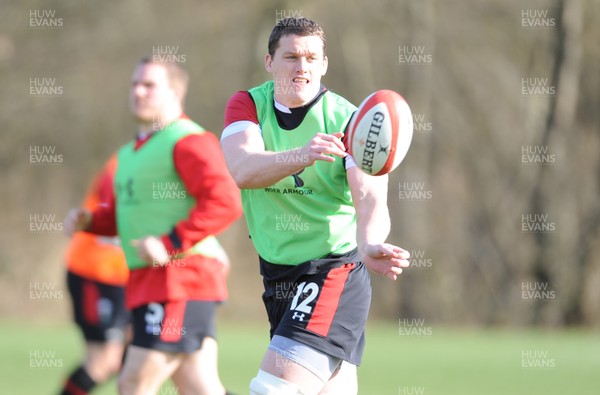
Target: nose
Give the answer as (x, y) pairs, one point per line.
(138, 90)
(301, 65)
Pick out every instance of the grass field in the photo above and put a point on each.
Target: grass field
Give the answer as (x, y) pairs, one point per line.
(34, 360)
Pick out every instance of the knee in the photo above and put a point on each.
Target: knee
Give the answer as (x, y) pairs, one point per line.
(267, 384)
(114, 362)
(348, 389)
(344, 381)
(112, 366)
(123, 386)
(106, 365)
(127, 383)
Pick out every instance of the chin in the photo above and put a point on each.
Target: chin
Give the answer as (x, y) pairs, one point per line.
(142, 118)
(305, 97)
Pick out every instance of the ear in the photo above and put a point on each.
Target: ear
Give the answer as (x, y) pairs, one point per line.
(268, 62)
(175, 95)
(325, 64)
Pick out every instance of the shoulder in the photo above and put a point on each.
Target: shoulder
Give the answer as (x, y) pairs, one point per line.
(240, 107)
(203, 141)
(339, 100)
(240, 98)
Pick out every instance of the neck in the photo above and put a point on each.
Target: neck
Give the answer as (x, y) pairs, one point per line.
(158, 123)
(290, 103)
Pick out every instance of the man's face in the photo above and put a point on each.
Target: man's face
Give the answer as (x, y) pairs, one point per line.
(151, 93)
(297, 67)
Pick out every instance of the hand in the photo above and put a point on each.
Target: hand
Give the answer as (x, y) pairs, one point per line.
(77, 219)
(385, 259)
(151, 250)
(322, 146)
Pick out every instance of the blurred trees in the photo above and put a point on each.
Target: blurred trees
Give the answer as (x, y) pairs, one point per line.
(497, 199)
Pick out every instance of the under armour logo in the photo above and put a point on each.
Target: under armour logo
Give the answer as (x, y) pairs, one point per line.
(298, 316)
(298, 182)
(126, 187)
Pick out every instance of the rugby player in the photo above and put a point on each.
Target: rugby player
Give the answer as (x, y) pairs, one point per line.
(96, 278)
(315, 219)
(173, 195)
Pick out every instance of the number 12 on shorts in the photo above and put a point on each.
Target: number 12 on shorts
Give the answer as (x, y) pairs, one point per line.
(312, 290)
(321, 302)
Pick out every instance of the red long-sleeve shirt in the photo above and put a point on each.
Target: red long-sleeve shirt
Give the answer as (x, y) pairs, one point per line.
(200, 164)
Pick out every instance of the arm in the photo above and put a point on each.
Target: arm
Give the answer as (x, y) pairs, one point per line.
(250, 164)
(201, 167)
(200, 164)
(101, 219)
(252, 167)
(373, 224)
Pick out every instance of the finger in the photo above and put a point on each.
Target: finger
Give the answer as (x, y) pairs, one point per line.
(331, 147)
(71, 223)
(324, 153)
(403, 262)
(403, 253)
(335, 138)
(326, 158)
(396, 262)
(80, 219)
(394, 273)
(335, 151)
(68, 228)
(386, 250)
(395, 251)
(396, 270)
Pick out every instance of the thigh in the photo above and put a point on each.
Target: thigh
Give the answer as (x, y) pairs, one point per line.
(343, 381)
(276, 364)
(145, 370)
(104, 359)
(198, 372)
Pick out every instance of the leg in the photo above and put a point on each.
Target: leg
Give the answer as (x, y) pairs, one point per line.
(305, 367)
(102, 360)
(296, 378)
(343, 381)
(328, 315)
(198, 372)
(103, 334)
(145, 370)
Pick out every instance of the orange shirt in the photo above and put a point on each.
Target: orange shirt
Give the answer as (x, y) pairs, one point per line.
(98, 258)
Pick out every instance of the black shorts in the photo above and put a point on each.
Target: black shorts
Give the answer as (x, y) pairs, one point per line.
(174, 326)
(98, 309)
(322, 303)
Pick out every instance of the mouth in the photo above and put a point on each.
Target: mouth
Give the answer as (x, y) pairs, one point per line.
(140, 104)
(300, 81)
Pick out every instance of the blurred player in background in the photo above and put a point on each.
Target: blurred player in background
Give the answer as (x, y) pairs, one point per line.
(96, 278)
(316, 220)
(173, 194)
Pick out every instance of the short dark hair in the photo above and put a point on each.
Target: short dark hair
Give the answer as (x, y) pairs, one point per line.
(178, 77)
(298, 26)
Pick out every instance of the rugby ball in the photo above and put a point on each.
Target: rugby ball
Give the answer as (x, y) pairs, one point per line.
(380, 131)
